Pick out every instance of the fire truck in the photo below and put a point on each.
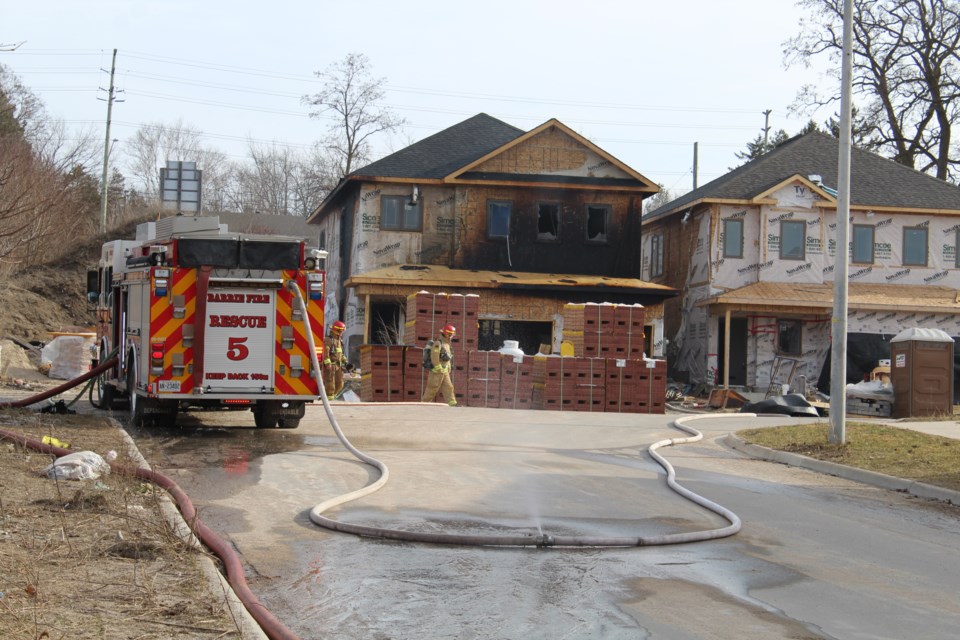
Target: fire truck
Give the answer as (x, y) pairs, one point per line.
(199, 317)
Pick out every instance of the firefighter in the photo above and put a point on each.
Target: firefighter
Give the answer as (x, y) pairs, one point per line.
(441, 357)
(334, 361)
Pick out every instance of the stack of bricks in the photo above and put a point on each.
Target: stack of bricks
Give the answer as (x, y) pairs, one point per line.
(608, 373)
(636, 386)
(414, 374)
(604, 330)
(516, 381)
(428, 313)
(574, 384)
(482, 379)
(381, 373)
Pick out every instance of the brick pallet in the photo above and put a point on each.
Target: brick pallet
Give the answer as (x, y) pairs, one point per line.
(427, 313)
(516, 382)
(604, 330)
(381, 373)
(495, 380)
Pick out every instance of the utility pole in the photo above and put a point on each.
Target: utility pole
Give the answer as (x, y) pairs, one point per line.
(106, 149)
(696, 155)
(838, 336)
(766, 129)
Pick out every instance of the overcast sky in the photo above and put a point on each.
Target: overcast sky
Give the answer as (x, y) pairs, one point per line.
(643, 80)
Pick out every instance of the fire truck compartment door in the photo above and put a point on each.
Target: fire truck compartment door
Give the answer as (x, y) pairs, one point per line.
(239, 340)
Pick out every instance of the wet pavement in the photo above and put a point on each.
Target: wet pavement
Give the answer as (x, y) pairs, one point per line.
(818, 556)
(815, 551)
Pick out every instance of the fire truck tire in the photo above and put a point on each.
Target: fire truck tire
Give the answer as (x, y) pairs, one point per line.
(264, 419)
(137, 416)
(286, 422)
(106, 394)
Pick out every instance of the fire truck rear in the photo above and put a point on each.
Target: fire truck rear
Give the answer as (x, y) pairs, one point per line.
(204, 318)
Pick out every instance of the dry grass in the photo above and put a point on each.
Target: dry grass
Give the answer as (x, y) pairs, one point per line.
(94, 558)
(885, 449)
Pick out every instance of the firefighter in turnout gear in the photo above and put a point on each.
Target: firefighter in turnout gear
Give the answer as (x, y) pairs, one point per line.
(441, 357)
(334, 361)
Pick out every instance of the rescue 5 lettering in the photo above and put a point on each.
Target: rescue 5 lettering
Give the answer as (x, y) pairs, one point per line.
(244, 322)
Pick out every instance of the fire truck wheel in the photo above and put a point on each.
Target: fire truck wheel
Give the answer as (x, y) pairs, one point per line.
(105, 393)
(286, 422)
(137, 415)
(264, 419)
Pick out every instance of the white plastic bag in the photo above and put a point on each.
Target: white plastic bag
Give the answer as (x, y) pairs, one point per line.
(80, 465)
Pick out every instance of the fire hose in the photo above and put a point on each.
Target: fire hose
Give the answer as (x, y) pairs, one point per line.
(543, 540)
(275, 629)
(271, 626)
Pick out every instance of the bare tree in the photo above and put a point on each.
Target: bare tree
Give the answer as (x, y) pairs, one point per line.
(155, 143)
(353, 96)
(23, 112)
(281, 181)
(659, 199)
(47, 195)
(42, 210)
(905, 74)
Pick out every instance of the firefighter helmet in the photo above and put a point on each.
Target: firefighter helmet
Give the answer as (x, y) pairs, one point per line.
(449, 330)
(338, 326)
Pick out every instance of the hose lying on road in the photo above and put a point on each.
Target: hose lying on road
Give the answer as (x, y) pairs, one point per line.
(542, 540)
(545, 540)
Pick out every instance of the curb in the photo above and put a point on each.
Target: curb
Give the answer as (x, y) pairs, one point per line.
(881, 480)
(217, 584)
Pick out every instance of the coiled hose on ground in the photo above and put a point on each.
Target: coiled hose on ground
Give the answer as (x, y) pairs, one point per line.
(543, 540)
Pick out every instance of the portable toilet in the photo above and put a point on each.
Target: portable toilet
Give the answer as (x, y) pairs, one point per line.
(921, 372)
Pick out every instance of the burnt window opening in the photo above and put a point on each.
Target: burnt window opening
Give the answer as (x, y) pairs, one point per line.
(598, 220)
(498, 219)
(548, 222)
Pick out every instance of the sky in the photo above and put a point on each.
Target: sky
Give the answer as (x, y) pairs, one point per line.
(643, 80)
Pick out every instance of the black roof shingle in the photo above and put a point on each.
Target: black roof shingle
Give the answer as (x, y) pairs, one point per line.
(874, 180)
(444, 152)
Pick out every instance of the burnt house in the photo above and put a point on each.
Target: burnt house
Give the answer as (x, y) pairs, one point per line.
(528, 220)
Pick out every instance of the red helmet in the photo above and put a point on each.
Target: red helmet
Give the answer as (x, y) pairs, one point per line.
(449, 330)
(338, 326)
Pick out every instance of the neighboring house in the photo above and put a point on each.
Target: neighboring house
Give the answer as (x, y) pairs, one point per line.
(483, 208)
(754, 251)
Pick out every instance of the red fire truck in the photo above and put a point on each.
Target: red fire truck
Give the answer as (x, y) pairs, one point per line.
(203, 318)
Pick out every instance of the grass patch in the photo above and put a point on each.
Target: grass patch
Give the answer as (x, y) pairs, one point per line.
(885, 449)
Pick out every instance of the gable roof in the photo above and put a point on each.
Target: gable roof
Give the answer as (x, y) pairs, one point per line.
(449, 156)
(874, 181)
(553, 123)
(444, 152)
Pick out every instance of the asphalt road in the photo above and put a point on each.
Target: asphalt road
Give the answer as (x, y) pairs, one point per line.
(818, 556)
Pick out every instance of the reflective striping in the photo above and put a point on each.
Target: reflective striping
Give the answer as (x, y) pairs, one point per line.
(285, 382)
(163, 324)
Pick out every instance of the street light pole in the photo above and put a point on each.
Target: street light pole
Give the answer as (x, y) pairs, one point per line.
(106, 149)
(838, 350)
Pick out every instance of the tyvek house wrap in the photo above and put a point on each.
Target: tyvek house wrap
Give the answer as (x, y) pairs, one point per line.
(761, 262)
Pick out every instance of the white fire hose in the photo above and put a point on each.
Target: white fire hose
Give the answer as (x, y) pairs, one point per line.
(542, 540)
